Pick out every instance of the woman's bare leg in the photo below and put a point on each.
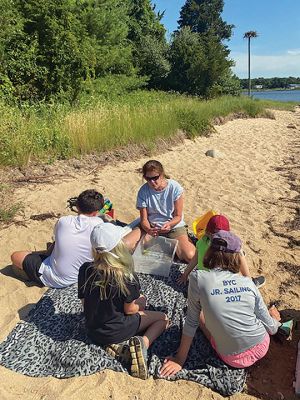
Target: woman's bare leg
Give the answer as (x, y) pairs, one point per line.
(131, 239)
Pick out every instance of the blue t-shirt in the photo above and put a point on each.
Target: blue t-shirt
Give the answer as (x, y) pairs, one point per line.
(160, 204)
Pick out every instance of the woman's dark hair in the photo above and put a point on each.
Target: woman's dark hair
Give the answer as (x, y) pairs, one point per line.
(87, 202)
(220, 259)
(153, 165)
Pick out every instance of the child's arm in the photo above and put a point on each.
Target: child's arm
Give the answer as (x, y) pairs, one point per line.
(244, 269)
(134, 301)
(189, 268)
(135, 306)
(172, 365)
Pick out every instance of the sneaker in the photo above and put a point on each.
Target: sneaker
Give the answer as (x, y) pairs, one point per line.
(286, 329)
(138, 353)
(120, 352)
(259, 281)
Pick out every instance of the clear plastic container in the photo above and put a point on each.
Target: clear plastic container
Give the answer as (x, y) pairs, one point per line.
(154, 255)
(297, 373)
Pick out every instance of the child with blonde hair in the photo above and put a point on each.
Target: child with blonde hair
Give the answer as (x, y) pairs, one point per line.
(114, 308)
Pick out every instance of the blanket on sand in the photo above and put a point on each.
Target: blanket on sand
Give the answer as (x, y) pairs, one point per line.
(53, 342)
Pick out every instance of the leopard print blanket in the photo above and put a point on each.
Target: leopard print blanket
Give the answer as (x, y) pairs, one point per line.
(53, 341)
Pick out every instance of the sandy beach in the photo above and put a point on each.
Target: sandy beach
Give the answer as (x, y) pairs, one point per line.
(255, 184)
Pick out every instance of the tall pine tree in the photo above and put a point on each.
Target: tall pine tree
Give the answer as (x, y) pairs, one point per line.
(147, 35)
(203, 56)
(106, 42)
(203, 16)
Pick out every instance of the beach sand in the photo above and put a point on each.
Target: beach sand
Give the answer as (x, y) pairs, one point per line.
(255, 184)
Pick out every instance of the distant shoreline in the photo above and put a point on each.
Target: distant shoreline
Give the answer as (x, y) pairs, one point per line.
(271, 90)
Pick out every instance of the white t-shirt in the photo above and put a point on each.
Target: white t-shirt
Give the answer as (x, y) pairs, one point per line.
(72, 249)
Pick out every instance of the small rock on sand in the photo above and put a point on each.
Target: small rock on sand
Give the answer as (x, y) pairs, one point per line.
(214, 154)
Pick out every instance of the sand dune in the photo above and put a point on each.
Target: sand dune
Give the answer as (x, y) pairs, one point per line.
(251, 184)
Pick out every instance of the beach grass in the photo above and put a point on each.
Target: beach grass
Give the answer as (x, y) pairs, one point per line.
(8, 209)
(44, 133)
(8, 213)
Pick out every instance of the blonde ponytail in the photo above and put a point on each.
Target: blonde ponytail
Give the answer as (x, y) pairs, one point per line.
(115, 272)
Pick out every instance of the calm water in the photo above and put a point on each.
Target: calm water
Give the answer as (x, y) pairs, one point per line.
(279, 95)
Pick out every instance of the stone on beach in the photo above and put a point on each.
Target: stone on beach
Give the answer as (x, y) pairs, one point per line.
(214, 154)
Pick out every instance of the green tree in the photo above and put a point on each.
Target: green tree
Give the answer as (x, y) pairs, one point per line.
(147, 35)
(56, 45)
(186, 55)
(44, 58)
(106, 44)
(197, 62)
(11, 23)
(203, 16)
(228, 84)
(203, 62)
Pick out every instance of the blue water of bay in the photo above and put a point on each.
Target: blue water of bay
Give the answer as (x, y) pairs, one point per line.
(279, 95)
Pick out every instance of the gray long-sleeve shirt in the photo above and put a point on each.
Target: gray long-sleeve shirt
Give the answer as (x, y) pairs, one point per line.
(235, 313)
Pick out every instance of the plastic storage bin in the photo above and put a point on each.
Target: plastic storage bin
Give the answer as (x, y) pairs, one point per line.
(297, 373)
(154, 255)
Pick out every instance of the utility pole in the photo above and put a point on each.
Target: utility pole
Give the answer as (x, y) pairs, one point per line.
(249, 35)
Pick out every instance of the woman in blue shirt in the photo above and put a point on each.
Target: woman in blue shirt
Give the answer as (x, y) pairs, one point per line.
(160, 201)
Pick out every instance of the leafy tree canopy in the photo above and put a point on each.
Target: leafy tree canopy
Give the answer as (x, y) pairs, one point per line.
(60, 43)
(147, 35)
(204, 16)
(197, 62)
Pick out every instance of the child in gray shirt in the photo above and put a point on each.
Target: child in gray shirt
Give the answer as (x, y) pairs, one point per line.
(234, 316)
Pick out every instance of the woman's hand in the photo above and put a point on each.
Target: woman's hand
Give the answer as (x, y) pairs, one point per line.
(165, 228)
(170, 367)
(153, 231)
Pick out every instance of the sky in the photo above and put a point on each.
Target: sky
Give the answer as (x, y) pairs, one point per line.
(275, 52)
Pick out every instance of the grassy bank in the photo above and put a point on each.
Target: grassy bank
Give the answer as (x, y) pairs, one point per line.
(49, 132)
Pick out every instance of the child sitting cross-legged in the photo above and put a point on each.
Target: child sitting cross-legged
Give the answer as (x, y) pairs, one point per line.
(215, 224)
(114, 308)
(228, 307)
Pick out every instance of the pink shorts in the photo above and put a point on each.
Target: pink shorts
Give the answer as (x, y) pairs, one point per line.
(247, 357)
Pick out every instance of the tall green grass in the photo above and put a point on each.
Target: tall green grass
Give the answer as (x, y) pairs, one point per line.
(48, 132)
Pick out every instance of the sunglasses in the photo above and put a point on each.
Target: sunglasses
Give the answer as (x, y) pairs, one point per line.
(151, 178)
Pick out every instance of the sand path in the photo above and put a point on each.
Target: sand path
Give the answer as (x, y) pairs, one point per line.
(251, 185)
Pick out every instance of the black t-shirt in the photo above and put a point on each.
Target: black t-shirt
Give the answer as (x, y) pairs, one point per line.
(105, 319)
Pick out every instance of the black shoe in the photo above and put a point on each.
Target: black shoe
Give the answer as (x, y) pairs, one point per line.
(138, 351)
(120, 352)
(259, 281)
(285, 331)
